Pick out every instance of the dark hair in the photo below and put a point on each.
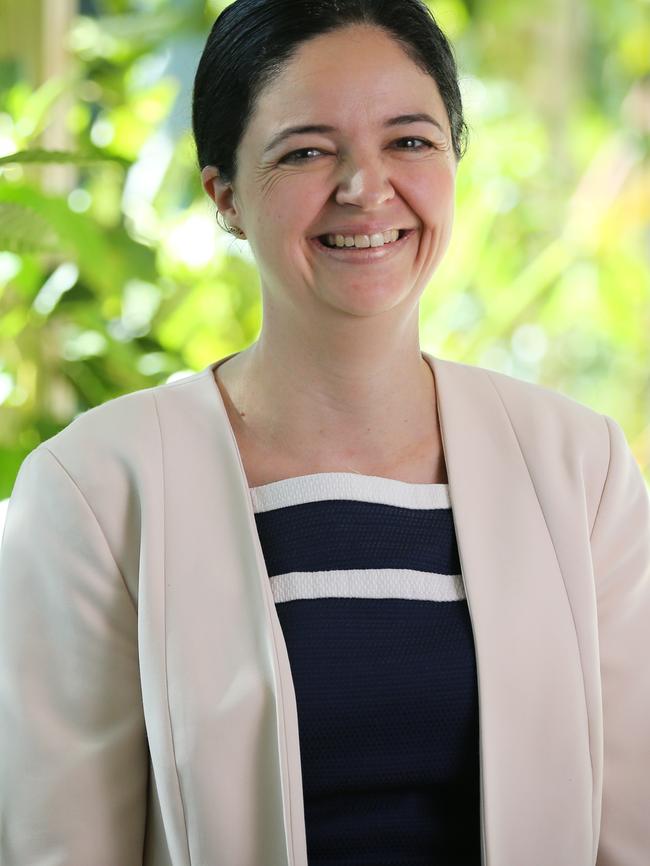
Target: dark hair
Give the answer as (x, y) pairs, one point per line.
(252, 40)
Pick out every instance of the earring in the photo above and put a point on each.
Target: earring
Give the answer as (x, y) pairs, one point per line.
(239, 233)
(233, 230)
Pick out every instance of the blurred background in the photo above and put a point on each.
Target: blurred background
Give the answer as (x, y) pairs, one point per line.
(115, 276)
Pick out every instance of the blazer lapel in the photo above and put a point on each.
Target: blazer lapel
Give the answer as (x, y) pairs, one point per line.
(536, 769)
(232, 706)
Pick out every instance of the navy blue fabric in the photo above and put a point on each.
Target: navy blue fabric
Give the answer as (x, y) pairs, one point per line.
(386, 688)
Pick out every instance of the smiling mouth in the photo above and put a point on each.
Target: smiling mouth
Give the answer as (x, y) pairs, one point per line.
(322, 239)
(362, 254)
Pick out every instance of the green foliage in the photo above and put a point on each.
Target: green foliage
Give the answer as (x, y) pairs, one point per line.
(37, 155)
(124, 279)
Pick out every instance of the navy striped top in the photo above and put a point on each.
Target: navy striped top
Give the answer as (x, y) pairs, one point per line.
(366, 579)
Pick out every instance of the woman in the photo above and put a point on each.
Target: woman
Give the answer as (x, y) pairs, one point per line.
(246, 617)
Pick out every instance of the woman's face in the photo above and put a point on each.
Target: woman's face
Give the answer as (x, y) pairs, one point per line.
(361, 176)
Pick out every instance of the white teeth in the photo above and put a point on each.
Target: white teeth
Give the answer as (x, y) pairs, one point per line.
(364, 241)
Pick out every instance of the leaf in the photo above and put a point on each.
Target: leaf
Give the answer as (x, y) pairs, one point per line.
(38, 155)
(25, 231)
(107, 257)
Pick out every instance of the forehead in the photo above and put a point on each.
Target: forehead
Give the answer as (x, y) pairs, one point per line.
(357, 74)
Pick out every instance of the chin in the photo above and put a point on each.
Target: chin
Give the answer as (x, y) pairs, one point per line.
(364, 301)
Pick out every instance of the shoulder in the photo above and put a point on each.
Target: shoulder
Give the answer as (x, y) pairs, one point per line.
(118, 439)
(514, 388)
(520, 395)
(548, 426)
(527, 401)
(116, 420)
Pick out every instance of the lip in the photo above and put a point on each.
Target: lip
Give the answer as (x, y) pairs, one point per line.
(366, 255)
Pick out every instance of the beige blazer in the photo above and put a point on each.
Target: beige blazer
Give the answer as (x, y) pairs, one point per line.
(147, 712)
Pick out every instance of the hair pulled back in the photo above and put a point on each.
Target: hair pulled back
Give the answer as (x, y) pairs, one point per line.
(252, 40)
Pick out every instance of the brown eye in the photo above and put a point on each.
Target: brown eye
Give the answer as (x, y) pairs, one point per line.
(293, 156)
(427, 144)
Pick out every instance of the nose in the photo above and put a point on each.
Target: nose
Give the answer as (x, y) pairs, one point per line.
(364, 183)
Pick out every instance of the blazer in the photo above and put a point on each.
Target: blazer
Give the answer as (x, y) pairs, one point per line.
(147, 711)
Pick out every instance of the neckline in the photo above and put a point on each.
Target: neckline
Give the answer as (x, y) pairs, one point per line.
(331, 486)
(335, 475)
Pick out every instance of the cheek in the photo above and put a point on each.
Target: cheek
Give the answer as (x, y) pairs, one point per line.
(281, 239)
(436, 196)
(296, 200)
(291, 221)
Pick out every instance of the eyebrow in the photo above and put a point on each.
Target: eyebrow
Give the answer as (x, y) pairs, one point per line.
(401, 120)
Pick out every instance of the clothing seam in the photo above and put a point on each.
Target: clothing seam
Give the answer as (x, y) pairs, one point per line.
(164, 583)
(609, 466)
(575, 630)
(99, 526)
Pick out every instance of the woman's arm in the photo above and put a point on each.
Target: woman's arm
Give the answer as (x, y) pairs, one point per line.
(73, 759)
(620, 543)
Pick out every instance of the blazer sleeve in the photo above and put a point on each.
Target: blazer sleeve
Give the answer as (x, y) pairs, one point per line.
(620, 543)
(73, 760)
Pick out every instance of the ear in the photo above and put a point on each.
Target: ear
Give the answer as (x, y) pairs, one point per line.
(222, 194)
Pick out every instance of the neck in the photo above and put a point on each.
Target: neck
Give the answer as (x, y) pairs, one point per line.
(349, 408)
